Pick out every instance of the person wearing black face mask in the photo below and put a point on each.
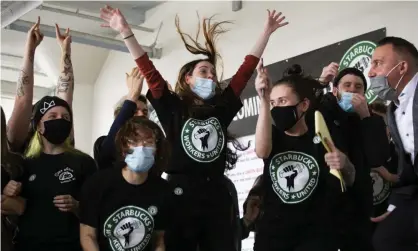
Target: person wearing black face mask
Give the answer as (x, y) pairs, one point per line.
(365, 135)
(53, 175)
(301, 196)
(133, 104)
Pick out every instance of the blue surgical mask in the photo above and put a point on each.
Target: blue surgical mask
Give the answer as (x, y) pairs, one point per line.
(204, 88)
(141, 159)
(345, 101)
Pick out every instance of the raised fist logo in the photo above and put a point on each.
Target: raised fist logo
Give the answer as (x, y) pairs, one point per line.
(203, 135)
(290, 173)
(126, 230)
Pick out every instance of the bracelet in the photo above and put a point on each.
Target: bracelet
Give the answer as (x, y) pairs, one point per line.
(129, 36)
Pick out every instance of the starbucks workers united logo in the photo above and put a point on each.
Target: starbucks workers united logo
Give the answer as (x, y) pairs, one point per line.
(381, 188)
(129, 229)
(294, 176)
(360, 56)
(203, 140)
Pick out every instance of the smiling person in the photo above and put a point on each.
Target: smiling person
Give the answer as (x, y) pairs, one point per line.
(394, 77)
(195, 118)
(301, 196)
(365, 135)
(125, 208)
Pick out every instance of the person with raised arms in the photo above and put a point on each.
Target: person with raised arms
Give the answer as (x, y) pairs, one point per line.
(195, 119)
(301, 197)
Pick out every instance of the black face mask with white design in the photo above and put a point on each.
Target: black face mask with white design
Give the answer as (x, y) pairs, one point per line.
(57, 130)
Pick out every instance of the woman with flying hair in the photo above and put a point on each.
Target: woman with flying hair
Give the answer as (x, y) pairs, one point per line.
(195, 118)
(54, 172)
(126, 207)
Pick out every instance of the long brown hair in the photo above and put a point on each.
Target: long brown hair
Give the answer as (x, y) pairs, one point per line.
(11, 162)
(211, 31)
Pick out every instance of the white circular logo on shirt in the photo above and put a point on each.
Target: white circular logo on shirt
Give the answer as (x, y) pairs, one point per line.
(153, 210)
(178, 191)
(32, 177)
(294, 176)
(129, 228)
(381, 188)
(204, 140)
(316, 140)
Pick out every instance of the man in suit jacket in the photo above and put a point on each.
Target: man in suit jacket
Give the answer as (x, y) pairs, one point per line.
(394, 77)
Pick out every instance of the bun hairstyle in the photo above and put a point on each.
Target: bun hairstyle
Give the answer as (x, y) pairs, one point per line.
(294, 70)
(211, 32)
(305, 87)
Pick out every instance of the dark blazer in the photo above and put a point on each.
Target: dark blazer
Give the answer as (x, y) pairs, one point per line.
(407, 187)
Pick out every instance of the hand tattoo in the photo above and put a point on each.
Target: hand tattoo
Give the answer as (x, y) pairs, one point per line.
(21, 82)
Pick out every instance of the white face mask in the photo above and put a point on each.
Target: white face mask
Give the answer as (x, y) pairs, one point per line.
(204, 88)
(380, 86)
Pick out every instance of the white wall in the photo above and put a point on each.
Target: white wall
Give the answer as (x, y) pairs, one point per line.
(312, 25)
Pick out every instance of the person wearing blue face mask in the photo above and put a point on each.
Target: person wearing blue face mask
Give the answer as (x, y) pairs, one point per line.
(368, 147)
(394, 77)
(195, 118)
(126, 208)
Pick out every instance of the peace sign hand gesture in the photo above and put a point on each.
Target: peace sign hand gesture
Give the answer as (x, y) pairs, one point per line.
(35, 36)
(114, 19)
(63, 40)
(274, 21)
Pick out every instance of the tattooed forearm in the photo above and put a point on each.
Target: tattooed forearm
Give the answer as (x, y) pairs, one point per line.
(21, 82)
(66, 79)
(64, 83)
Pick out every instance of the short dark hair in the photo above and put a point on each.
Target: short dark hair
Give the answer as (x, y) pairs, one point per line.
(130, 131)
(350, 71)
(119, 105)
(401, 46)
(378, 106)
(303, 86)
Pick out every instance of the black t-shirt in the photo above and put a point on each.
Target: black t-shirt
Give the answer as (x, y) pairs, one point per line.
(381, 187)
(198, 133)
(5, 178)
(124, 215)
(299, 190)
(45, 177)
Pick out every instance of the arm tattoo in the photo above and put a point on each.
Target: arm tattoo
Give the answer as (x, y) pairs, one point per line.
(21, 82)
(66, 79)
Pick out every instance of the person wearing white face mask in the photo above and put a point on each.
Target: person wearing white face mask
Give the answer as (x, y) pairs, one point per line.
(365, 135)
(394, 77)
(126, 208)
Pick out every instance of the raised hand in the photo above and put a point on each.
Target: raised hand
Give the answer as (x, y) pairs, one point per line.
(114, 19)
(134, 82)
(35, 36)
(329, 72)
(12, 188)
(360, 105)
(66, 203)
(64, 40)
(274, 21)
(262, 81)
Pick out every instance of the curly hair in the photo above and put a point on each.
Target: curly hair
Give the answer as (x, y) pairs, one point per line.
(139, 128)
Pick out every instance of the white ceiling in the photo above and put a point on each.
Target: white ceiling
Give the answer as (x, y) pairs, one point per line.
(87, 59)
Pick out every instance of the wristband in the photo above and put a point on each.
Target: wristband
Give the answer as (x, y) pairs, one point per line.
(129, 36)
